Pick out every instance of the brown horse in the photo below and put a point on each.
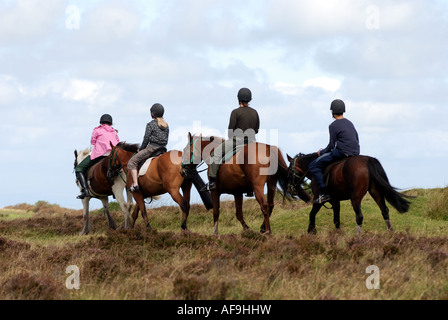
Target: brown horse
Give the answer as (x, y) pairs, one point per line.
(249, 170)
(350, 179)
(163, 176)
(101, 187)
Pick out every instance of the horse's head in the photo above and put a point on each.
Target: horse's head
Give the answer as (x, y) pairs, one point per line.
(198, 149)
(300, 163)
(119, 157)
(298, 171)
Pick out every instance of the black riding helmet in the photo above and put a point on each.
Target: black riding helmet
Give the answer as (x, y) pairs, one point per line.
(244, 95)
(338, 107)
(106, 118)
(157, 110)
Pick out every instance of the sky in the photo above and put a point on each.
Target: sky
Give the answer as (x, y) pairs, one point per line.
(65, 63)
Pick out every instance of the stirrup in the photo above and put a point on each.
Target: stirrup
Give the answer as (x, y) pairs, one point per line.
(82, 195)
(322, 199)
(208, 187)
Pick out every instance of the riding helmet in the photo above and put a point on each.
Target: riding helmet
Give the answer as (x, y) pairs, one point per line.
(338, 107)
(245, 95)
(106, 118)
(157, 110)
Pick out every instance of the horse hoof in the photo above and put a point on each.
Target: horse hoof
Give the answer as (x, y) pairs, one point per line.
(312, 231)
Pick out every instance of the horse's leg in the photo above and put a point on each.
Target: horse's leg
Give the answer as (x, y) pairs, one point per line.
(356, 204)
(216, 204)
(135, 214)
(138, 197)
(117, 189)
(271, 196)
(259, 195)
(129, 204)
(86, 217)
(179, 199)
(313, 213)
(239, 210)
(379, 199)
(186, 190)
(336, 213)
(110, 220)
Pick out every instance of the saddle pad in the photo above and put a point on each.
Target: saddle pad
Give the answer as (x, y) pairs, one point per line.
(230, 155)
(144, 167)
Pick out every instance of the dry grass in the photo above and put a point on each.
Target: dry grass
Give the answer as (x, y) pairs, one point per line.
(169, 264)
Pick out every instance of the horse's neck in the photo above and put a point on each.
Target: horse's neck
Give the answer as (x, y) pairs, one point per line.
(126, 157)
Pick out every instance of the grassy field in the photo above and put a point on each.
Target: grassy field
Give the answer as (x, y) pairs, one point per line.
(38, 242)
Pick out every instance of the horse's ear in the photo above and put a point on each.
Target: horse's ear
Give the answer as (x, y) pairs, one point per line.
(190, 137)
(212, 138)
(289, 158)
(76, 154)
(111, 144)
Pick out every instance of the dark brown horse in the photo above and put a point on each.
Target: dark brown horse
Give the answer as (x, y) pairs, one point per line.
(101, 187)
(163, 176)
(251, 169)
(350, 179)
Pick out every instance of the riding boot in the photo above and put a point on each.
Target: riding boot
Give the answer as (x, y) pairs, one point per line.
(210, 186)
(83, 182)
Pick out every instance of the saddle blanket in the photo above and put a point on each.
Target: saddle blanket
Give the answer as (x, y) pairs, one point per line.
(144, 167)
(230, 155)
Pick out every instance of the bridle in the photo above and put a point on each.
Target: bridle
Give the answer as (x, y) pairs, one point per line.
(190, 168)
(115, 169)
(295, 177)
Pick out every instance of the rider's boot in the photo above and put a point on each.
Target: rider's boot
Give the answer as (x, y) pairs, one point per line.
(211, 184)
(83, 182)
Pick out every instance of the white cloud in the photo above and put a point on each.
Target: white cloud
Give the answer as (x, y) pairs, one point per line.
(27, 19)
(325, 83)
(111, 21)
(83, 90)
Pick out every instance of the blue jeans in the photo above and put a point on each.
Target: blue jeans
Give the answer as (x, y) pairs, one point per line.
(318, 166)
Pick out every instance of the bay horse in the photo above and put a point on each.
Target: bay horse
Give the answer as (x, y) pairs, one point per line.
(101, 187)
(350, 179)
(249, 170)
(163, 176)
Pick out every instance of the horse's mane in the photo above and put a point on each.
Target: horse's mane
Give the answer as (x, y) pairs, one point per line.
(128, 146)
(307, 156)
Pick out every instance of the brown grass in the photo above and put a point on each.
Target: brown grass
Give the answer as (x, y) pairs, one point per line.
(170, 264)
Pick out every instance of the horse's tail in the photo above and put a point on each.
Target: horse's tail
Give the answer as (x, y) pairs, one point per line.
(379, 178)
(283, 181)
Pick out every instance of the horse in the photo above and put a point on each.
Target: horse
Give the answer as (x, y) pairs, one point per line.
(101, 187)
(249, 170)
(350, 179)
(163, 176)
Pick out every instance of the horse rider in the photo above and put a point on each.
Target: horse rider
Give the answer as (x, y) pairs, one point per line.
(243, 126)
(101, 139)
(156, 137)
(344, 142)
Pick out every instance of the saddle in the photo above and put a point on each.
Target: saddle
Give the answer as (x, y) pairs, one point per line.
(327, 170)
(143, 167)
(230, 155)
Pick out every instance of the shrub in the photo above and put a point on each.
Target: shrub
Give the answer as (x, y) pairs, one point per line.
(438, 205)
